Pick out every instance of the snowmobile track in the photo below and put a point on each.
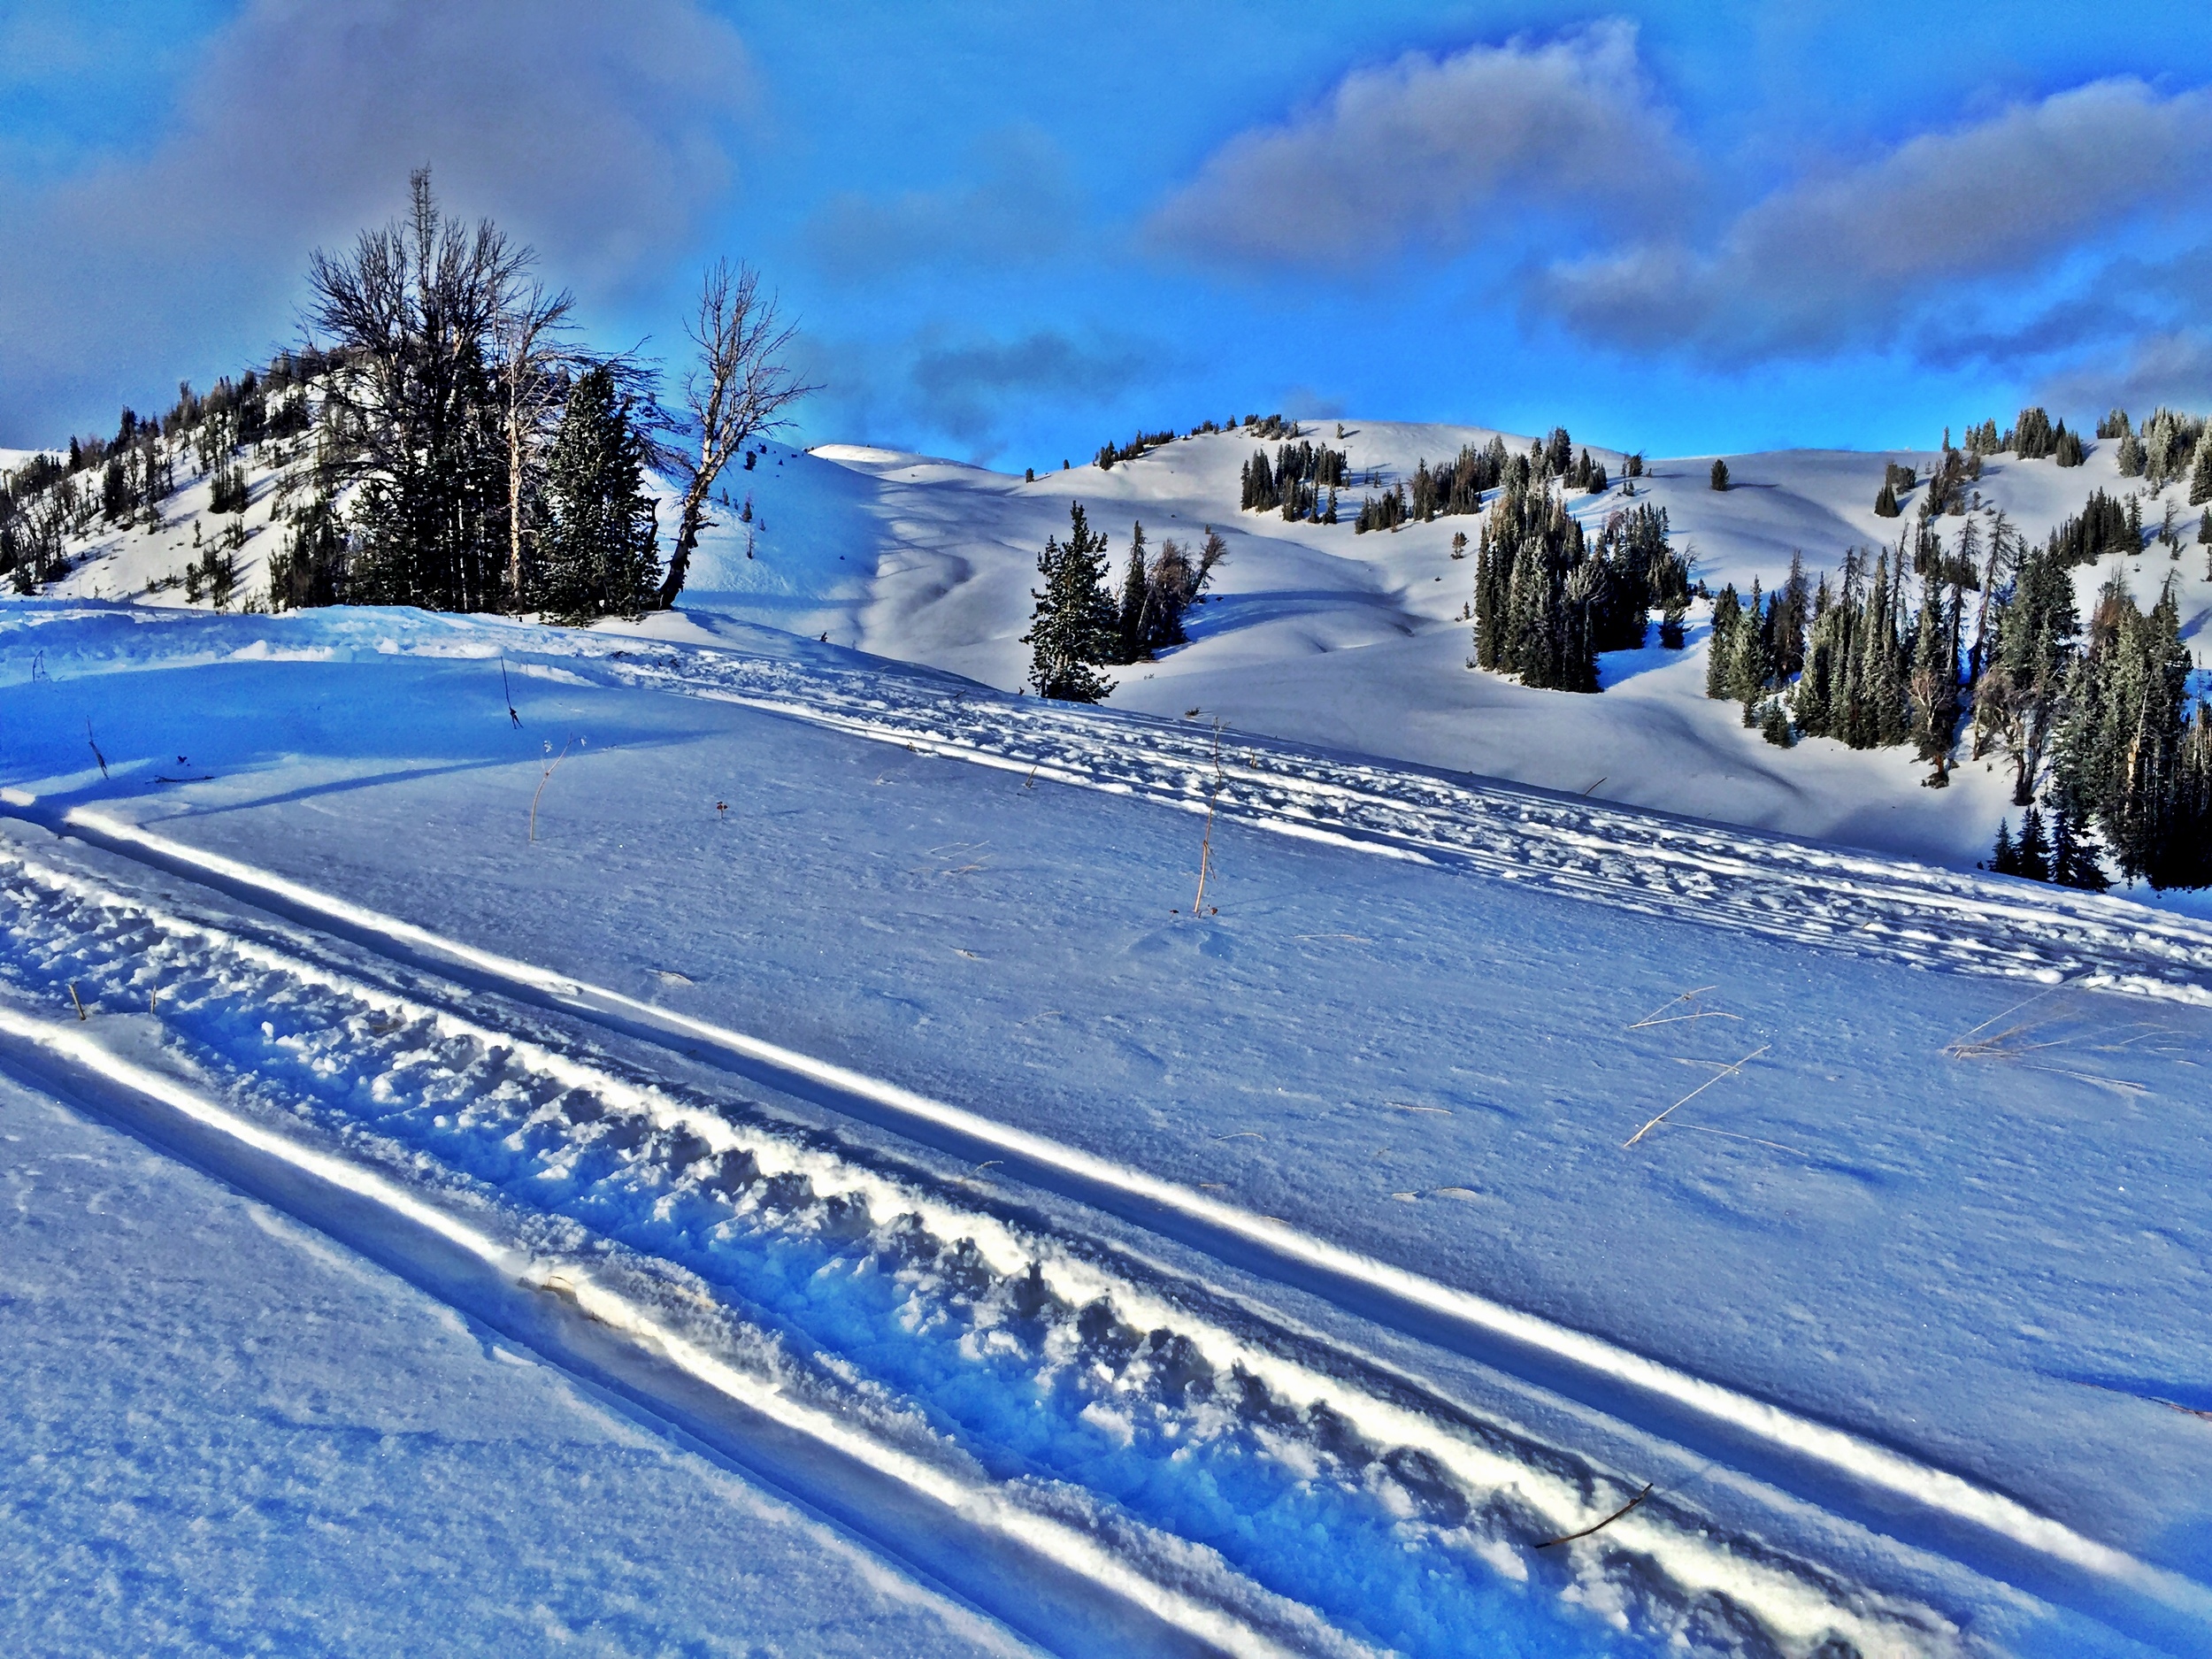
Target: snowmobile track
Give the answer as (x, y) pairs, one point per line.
(1173, 1451)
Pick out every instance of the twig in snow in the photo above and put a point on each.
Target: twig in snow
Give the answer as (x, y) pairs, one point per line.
(552, 766)
(1569, 1538)
(77, 1000)
(508, 689)
(1206, 846)
(1695, 1013)
(1729, 1070)
(92, 744)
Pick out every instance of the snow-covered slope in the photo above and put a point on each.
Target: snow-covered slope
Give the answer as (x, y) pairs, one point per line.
(1319, 634)
(818, 1053)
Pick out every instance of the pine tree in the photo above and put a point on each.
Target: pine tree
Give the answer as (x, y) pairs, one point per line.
(1133, 596)
(1934, 682)
(1748, 669)
(2200, 471)
(596, 550)
(1720, 648)
(1885, 503)
(2032, 857)
(1719, 476)
(2131, 456)
(2073, 861)
(2003, 859)
(1075, 626)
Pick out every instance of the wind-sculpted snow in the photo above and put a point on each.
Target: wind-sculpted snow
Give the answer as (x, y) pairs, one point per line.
(1724, 877)
(1250, 1484)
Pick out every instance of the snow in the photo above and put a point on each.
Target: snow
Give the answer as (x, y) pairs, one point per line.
(1093, 1274)
(1318, 635)
(226, 1435)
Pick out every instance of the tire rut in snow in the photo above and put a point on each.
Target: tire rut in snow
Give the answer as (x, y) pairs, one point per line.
(1320, 1503)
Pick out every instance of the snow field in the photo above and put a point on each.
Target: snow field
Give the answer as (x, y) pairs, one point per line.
(1857, 1258)
(1147, 1406)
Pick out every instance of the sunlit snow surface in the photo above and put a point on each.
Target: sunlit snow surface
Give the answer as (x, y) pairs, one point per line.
(1316, 633)
(843, 1041)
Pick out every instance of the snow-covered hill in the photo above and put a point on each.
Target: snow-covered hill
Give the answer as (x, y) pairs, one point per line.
(1322, 634)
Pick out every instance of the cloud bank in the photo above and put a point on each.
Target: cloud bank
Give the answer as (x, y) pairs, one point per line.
(600, 135)
(1852, 260)
(1413, 155)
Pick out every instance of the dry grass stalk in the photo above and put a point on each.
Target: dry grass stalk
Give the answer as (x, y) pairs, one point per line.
(1695, 1013)
(552, 766)
(1726, 1071)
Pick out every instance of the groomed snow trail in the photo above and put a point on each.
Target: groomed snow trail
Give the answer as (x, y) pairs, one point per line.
(1245, 1483)
(1808, 893)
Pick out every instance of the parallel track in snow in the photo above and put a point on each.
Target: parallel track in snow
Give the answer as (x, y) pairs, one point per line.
(1178, 1452)
(1239, 1485)
(1830, 897)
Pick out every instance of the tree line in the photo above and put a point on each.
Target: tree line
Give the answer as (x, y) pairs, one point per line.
(1980, 640)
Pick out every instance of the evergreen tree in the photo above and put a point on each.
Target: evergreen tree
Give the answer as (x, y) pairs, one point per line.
(2200, 471)
(2073, 861)
(2032, 857)
(1885, 503)
(1075, 626)
(2132, 455)
(1748, 667)
(1133, 596)
(1934, 681)
(1719, 477)
(2003, 859)
(1721, 647)
(597, 550)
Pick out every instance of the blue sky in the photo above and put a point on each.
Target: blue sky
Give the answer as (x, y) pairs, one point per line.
(1010, 233)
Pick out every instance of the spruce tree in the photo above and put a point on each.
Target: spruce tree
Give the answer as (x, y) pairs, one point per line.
(1885, 503)
(1934, 681)
(1132, 597)
(1075, 626)
(2003, 859)
(2200, 471)
(2073, 861)
(2032, 857)
(1719, 476)
(597, 549)
(1720, 648)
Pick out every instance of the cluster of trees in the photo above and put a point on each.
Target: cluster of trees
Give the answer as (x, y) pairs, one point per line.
(467, 453)
(1108, 454)
(1460, 485)
(1294, 483)
(2095, 719)
(1547, 600)
(2034, 437)
(1078, 626)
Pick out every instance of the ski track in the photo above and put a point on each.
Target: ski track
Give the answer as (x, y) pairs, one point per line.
(1241, 1480)
(1808, 893)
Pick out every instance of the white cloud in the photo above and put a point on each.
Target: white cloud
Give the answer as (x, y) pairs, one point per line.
(1414, 153)
(600, 134)
(1852, 258)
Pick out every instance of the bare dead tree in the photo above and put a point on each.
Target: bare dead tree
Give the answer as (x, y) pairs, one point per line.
(737, 391)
